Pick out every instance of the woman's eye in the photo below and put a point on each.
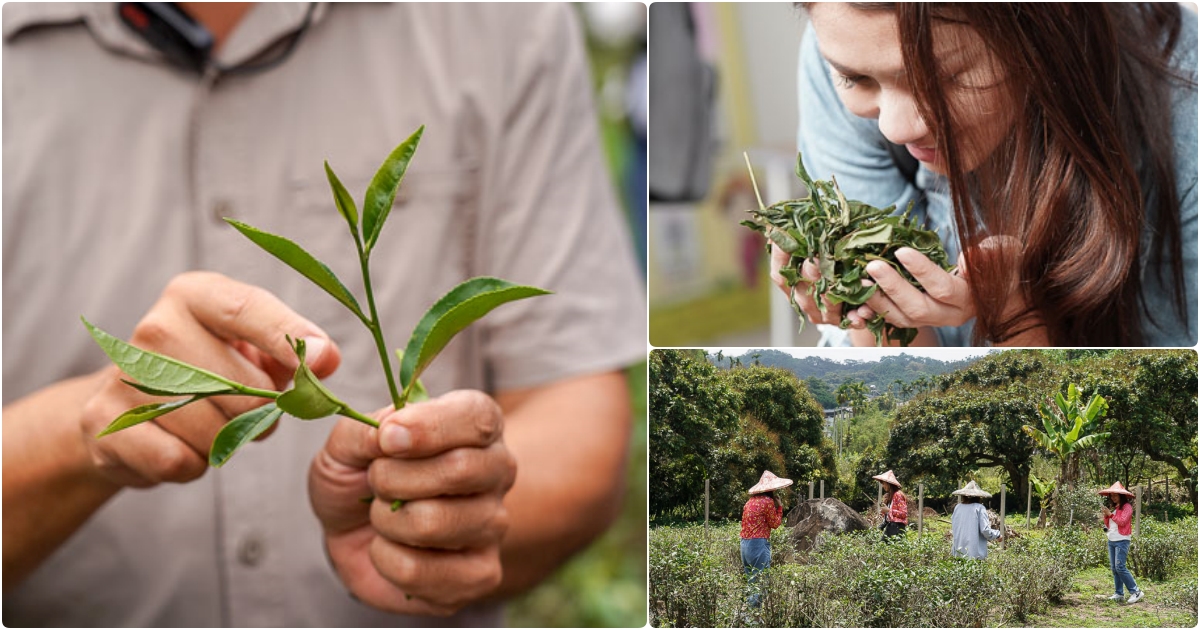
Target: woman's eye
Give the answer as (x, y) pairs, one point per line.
(847, 82)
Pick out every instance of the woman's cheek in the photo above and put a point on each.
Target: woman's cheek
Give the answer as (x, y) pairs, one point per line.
(858, 103)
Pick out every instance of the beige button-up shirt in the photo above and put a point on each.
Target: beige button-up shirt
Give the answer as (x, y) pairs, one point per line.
(118, 168)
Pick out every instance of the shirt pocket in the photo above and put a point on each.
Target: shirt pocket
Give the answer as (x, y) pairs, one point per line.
(418, 256)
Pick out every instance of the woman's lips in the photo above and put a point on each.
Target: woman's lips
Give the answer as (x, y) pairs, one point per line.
(921, 153)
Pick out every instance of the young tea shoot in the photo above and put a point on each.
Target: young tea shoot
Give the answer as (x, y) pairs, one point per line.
(308, 398)
(841, 236)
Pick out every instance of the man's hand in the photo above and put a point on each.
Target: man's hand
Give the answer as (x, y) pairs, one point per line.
(210, 321)
(57, 473)
(445, 459)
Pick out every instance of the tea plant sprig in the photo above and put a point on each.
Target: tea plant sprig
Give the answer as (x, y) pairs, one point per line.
(308, 398)
(842, 236)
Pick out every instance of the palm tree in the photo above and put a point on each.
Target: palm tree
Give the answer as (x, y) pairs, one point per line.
(755, 357)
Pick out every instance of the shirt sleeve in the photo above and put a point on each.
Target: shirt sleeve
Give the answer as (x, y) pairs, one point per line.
(774, 515)
(552, 219)
(985, 526)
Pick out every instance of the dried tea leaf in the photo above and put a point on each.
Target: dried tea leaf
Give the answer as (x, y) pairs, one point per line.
(842, 236)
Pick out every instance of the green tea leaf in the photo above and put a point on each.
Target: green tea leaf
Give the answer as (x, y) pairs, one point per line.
(158, 374)
(879, 234)
(144, 413)
(381, 193)
(784, 241)
(242, 429)
(154, 391)
(456, 310)
(295, 257)
(345, 203)
(417, 392)
(308, 399)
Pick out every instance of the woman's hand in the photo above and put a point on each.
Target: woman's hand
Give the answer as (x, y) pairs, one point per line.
(809, 273)
(1105, 512)
(946, 300)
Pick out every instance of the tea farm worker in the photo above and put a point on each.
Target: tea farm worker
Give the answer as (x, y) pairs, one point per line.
(1070, 187)
(1118, 525)
(762, 513)
(895, 505)
(517, 462)
(970, 527)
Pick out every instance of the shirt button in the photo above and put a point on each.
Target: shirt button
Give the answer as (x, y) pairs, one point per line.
(222, 208)
(251, 550)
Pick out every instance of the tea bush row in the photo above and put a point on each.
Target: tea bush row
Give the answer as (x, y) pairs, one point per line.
(862, 580)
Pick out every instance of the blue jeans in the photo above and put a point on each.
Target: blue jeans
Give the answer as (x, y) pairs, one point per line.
(1118, 551)
(756, 557)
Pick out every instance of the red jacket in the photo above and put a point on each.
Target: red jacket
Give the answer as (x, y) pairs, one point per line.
(760, 516)
(1124, 518)
(899, 512)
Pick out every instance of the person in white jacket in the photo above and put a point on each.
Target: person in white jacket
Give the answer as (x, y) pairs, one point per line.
(969, 526)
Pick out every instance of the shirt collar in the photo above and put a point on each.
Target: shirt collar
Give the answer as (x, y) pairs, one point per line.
(263, 26)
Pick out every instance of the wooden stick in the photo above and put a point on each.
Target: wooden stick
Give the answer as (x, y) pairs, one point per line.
(1003, 529)
(1028, 503)
(810, 491)
(1137, 513)
(706, 507)
(920, 510)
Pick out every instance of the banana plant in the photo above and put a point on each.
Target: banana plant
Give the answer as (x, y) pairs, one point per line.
(308, 398)
(1043, 490)
(1067, 429)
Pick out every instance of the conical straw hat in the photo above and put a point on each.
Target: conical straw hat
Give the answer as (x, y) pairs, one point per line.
(1116, 488)
(972, 490)
(770, 482)
(889, 477)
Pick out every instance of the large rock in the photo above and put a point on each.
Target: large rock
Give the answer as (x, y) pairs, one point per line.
(816, 516)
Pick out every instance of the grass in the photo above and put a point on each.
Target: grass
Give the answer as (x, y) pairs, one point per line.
(1085, 606)
(730, 309)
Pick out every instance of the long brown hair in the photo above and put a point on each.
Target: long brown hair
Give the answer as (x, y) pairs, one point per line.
(1091, 149)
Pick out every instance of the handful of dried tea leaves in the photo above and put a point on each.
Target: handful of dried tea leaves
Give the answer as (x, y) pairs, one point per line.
(842, 236)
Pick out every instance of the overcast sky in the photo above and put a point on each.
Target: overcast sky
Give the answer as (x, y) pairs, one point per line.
(867, 354)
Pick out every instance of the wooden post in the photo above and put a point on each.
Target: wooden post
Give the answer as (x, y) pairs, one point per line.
(1167, 481)
(1137, 512)
(1149, 491)
(822, 489)
(1003, 531)
(920, 510)
(879, 494)
(706, 507)
(1028, 503)
(810, 491)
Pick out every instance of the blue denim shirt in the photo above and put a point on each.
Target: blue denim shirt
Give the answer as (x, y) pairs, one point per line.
(835, 142)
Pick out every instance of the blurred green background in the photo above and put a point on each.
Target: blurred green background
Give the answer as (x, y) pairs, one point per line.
(605, 585)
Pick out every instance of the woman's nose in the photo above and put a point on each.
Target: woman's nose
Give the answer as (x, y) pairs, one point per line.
(899, 120)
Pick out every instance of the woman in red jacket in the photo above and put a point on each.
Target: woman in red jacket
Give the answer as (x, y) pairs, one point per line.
(894, 507)
(762, 513)
(1117, 522)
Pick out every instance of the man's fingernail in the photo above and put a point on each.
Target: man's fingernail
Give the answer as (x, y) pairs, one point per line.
(313, 347)
(395, 439)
